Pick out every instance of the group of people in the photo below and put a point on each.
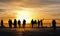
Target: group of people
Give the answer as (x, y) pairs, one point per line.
(40, 23)
(15, 23)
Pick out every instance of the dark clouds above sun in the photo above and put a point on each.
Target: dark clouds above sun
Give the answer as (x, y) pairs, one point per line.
(48, 7)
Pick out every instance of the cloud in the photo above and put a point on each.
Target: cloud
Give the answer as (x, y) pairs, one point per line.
(9, 0)
(37, 3)
(51, 7)
(30, 3)
(2, 10)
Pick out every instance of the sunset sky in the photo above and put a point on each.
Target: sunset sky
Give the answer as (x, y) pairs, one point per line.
(29, 9)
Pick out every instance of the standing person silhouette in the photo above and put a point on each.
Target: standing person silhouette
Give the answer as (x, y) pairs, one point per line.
(54, 24)
(10, 23)
(19, 23)
(24, 23)
(15, 23)
(41, 22)
(35, 22)
(1, 23)
(32, 22)
(38, 23)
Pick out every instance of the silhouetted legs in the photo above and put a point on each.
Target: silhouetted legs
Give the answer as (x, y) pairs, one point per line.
(1, 23)
(24, 23)
(38, 23)
(15, 23)
(54, 24)
(32, 22)
(10, 23)
(35, 22)
(19, 23)
(41, 22)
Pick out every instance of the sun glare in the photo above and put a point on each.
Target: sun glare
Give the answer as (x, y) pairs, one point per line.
(24, 14)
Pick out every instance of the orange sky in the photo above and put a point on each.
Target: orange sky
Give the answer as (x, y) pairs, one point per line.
(29, 9)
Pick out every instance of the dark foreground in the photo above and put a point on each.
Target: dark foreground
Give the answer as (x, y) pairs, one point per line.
(44, 32)
(34, 32)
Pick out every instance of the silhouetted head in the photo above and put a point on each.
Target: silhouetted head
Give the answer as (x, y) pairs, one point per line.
(1, 20)
(18, 20)
(14, 19)
(9, 19)
(35, 20)
(38, 19)
(24, 20)
(32, 19)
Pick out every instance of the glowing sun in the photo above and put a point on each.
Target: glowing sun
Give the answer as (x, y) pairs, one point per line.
(24, 14)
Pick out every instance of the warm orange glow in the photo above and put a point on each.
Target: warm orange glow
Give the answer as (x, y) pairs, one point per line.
(28, 14)
(24, 14)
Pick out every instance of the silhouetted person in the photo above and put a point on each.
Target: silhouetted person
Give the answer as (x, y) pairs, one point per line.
(54, 24)
(1, 23)
(24, 23)
(41, 22)
(10, 23)
(38, 23)
(35, 22)
(19, 23)
(32, 22)
(15, 23)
